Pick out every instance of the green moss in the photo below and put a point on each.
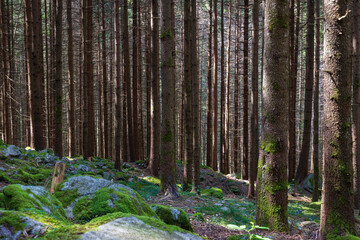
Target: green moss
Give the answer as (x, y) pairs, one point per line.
(106, 201)
(279, 186)
(278, 21)
(2, 200)
(166, 34)
(167, 137)
(270, 145)
(152, 179)
(20, 200)
(173, 216)
(17, 199)
(5, 178)
(66, 196)
(275, 86)
(12, 219)
(35, 176)
(213, 192)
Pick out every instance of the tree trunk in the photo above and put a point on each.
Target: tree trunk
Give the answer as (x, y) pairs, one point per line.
(254, 149)
(118, 83)
(210, 122)
(58, 146)
(196, 98)
(337, 214)
(188, 100)
(245, 166)
(271, 208)
(127, 79)
(105, 87)
(215, 84)
(156, 123)
(135, 117)
(168, 151)
(302, 170)
(71, 79)
(222, 95)
(315, 157)
(356, 102)
(35, 66)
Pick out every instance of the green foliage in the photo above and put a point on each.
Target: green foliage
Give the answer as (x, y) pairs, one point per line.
(173, 216)
(213, 192)
(198, 216)
(145, 188)
(248, 235)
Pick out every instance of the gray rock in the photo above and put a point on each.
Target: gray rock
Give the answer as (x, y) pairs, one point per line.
(131, 228)
(84, 168)
(49, 158)
(308, 226)
(31, 226)
(107, 175)
(99, 164)
(12, 151)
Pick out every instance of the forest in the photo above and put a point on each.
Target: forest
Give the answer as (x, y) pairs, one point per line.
(180, 119)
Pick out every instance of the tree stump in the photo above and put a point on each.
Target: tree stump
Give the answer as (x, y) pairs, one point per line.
(58, 175)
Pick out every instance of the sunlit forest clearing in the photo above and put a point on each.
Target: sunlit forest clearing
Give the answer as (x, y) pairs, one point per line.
(179, 119)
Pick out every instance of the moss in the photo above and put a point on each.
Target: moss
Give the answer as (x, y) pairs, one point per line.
(35, 175)
(278, 21)
(279, 186)
(2, 200)
(166, 34)
(173, 216)
(213, 192)
(275, 86)
(270, 145)
(108, 200)
(66, 196)
(5, 178)
(17, 199)
(12, 219)
(167, 137)
(152, 179)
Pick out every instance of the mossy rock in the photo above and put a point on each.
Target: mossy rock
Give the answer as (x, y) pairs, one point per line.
(120, 225)
(199, 217)
(109, 200)
(19, 197)
(173, 216)
(14, 224)
(213, 192)
(87, 197)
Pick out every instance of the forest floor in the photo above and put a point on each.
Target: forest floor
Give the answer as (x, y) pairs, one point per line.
(215, 214)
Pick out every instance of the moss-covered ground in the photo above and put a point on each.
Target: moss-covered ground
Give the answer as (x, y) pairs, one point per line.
(221, 211)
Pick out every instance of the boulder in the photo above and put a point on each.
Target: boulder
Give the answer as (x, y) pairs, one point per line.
(12, 151)
(308, 182)
(13, 224)
(132, 228)
(173, 215)
(84, 168)
(19, 197)
(87, 197)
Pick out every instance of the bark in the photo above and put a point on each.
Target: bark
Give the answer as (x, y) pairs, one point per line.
(58, 146)
(135, 78)
(356, 101)
(271, 208)
(196, 98)
(71, 80)
(315, 152)
(156, 123)
(302, 170)
(337, 215)
(34, 48)
(245, 166)
(254, 149)
(292, 95)
(168, 151)
(188, 100)
(210, 122)
(223, 168)
(215, 94)
(105, 84)
(127, 80)
(148, 79)
(88, 81)
(118, 83)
